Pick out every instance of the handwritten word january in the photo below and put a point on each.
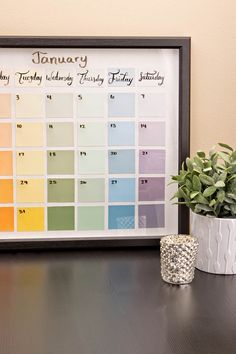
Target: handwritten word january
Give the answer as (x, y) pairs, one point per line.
(39, 57)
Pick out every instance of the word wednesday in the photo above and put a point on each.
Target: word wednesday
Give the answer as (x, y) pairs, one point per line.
(43, 58)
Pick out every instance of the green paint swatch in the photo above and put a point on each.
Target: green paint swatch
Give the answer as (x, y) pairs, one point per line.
(61, 190)
(91, 134)
(91, 190)
(59, 105)
(91, 218)
(60, 162)
(91, 162)
(60, 134)
(61, 218)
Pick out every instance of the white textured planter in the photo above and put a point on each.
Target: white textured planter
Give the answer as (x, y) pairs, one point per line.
(217, 244)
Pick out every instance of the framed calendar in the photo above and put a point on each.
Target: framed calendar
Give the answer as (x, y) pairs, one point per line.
(91, 129)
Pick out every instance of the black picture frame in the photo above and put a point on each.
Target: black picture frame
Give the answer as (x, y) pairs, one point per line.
(183, 44)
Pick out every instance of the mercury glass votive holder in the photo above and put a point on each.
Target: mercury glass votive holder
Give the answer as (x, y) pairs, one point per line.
(178, 257)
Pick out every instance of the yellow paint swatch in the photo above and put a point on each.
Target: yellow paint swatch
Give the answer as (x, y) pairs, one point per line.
(5, 105)
(30, 191)
(5, 135)
(6, 191)
(29, 134)
(29, 163)
(30, 219)
(6, 163)
(29, 105)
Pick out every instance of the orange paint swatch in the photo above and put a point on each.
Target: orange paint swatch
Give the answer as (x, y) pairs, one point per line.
(6, 191)
(5, 135)
(6, 163)
(6, 219)
(5, 105)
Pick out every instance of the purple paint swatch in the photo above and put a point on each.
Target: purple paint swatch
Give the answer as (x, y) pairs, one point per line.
(151, 216)
(151, 189)
(152, 133)
(152, 161)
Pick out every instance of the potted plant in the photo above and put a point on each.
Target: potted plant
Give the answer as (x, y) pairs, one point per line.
(207, 185)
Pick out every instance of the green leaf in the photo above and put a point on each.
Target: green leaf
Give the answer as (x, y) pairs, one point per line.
(220, 195)
(232, 177)
(189, 164)
(227, 207)
(224, 156)
(229, 200)
(207, 180)
(226, 146)
(209, 191)
(201, 199)
(194, 194)
(201, 154)
(233, 208)
(212, 202)
(204, 207)
(198, 162)
(231, 195)
(222, 176)
(188, 184)
(219, 184)
(183, 194)
(233, 155)
(197, 186)
(207, 169)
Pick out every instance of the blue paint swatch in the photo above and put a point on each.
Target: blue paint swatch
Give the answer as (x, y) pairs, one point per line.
(121, 217)
(121, 133)
(121, 189)
(121, 161)
(121, 104)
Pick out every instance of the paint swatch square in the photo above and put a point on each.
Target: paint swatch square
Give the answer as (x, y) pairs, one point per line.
(30, 190)
(29, 163)
(60, 134)
(121, 217)
(152, 134)
(151, 189)
(5, 135)
(91, 134)
(152, 105)
(122, 190)
(29, 134)
(121, 105)
(90, 105)
(91, 190)
(152, 161)
(59, 105)
(60, 162)
(121, 161)
(6, 219)
(91, 162)
(61, 218)
(61, 190)
(29, 105)
(91, 218)
(6, 164)
(30, 219)
(6, 191)
(121, 133)
(151, 216)
(5, 105)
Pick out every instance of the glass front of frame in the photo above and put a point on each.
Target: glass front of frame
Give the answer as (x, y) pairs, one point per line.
(88, 141)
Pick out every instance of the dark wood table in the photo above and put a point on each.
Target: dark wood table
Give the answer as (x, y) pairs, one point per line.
(110, 302)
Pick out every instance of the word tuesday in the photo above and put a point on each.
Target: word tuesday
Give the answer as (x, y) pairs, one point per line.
(43, 58)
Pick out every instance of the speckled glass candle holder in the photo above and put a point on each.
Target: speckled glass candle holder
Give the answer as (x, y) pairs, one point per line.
(178, 256)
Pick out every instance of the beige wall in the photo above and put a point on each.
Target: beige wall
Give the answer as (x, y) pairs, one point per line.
(210, 23)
